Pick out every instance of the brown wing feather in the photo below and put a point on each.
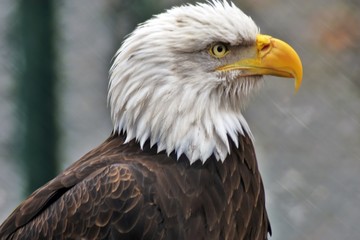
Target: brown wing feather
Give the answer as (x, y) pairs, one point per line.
(118, 191)
(96, 198)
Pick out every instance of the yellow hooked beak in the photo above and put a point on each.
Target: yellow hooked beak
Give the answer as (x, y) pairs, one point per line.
(273, 57)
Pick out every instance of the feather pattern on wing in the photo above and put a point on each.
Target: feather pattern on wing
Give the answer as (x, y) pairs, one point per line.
(118, 191)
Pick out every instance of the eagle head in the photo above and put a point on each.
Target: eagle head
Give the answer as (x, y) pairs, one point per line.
(182, 78)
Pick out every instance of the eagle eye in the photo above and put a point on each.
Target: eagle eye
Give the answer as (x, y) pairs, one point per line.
(218, 50)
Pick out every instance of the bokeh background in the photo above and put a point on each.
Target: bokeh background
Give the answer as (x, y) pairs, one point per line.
(307, 143)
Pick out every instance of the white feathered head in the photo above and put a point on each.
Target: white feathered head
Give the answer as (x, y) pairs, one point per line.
(182, 78)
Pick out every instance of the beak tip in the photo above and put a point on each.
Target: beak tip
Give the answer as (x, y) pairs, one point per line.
(298, 81)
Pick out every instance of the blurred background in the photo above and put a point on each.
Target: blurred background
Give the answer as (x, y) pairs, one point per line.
(54, 61)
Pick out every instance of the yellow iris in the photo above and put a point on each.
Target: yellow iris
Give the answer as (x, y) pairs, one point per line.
(219, 50)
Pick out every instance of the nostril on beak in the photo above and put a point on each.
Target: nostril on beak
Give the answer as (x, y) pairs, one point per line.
(265, 47)
(263, 44)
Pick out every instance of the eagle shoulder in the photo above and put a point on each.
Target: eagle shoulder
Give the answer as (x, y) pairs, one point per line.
(97, 197)
(122, 191)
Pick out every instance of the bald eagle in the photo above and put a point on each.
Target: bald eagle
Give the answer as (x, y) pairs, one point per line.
(180, 162)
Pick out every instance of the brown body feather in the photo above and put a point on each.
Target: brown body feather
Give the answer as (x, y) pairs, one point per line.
(118, 191)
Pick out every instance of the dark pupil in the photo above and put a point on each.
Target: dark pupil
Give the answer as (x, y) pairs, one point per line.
(219, 48)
